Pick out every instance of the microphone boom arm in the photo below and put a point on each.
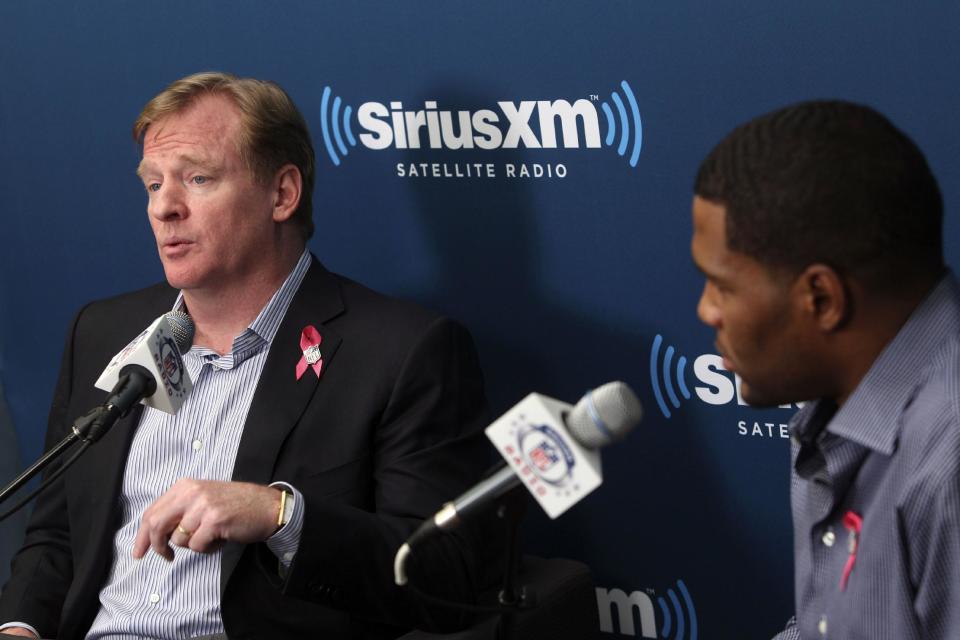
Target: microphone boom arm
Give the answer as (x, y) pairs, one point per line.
(135, 383)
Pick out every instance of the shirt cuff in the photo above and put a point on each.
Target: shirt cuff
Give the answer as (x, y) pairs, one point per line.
(9, 625)
(790, 632)
(285, 542)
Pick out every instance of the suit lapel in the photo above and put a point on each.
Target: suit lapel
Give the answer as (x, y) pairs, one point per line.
(280, 399)
(99, 472)
(106, 462)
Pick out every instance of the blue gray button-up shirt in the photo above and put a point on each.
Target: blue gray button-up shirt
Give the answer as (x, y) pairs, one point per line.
(890, 456)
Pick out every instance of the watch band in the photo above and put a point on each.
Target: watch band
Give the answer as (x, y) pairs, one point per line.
(286, 508)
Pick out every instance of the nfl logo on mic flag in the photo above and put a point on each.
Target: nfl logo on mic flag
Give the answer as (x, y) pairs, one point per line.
(556, 469)
(156, 350)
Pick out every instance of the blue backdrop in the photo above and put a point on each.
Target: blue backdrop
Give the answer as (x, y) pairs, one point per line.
(565, 280)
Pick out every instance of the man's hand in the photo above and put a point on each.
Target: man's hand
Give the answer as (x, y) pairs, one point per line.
(203, 514)
(19, 631)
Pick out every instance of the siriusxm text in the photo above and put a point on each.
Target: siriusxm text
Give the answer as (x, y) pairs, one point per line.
(719, 389)
(510, 127)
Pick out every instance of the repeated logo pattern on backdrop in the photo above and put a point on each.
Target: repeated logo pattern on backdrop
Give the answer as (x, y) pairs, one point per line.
(668, 381)
(677, 619)
(531, 124)
(564, 275)
(670, 372)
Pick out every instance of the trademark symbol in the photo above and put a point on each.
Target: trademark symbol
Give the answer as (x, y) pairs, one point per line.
(594, 97)
(650, 591)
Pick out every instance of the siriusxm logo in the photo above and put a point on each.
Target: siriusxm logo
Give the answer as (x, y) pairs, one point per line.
(677, 615)
(716, 386)
(533, 124)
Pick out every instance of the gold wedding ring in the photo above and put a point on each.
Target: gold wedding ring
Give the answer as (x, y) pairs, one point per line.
(184, 531)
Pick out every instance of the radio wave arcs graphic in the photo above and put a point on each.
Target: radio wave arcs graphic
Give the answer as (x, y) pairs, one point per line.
(677, 619)
(335, 126)
(682, 627)
(626, 120)
(670, 372)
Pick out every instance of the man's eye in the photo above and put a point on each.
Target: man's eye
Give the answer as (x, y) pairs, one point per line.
(199, 179)
(153, 186)
(718, 289)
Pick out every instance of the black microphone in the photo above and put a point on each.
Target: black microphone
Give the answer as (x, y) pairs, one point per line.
(550, 436)
(150, 370)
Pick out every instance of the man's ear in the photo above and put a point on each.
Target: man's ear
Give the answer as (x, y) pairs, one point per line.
(287, 189)
(824, 297)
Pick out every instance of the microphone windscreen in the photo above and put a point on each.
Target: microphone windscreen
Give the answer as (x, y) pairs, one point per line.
(183, 329)
(604, 415)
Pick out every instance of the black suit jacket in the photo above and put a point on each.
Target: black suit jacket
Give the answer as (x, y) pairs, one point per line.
(390, 431)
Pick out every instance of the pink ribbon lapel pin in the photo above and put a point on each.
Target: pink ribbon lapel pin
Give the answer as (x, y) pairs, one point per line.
(310, 340)
(854, 524)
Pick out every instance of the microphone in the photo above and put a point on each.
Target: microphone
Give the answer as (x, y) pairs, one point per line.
(550, 448)
(150, 369)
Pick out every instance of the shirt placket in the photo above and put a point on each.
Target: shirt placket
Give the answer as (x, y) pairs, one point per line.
(197, 443)
(828, 489)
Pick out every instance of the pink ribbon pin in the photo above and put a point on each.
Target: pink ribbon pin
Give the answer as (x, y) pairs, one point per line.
(854, 523)
(310, 340)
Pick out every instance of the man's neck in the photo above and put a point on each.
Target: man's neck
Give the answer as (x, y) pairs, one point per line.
(222, 314)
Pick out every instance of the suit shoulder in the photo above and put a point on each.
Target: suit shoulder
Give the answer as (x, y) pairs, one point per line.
(154, 297)
(364, 304)
(111, 319)
(393, 330)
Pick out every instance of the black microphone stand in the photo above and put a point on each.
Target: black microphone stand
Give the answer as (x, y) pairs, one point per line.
(135, 382)
(513, 596)
(78, 432)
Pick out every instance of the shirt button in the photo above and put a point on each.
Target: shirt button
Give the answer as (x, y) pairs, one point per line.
(822, 625)
(829, 537)
(154, 598)
(197, 445)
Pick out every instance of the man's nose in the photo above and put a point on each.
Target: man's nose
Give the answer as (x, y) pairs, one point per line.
(707, 310)
(167, 203)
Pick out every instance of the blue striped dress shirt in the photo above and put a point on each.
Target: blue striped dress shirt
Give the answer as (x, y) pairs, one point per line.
(889, 457)
(154, 598)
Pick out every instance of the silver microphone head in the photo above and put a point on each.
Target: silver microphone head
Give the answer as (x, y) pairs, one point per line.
(604, 415)
(183, 329)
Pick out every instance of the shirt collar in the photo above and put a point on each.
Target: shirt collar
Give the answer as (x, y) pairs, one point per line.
(871, 415)
(264, 327)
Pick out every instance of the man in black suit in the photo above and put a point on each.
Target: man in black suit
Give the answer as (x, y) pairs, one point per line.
(350, 417)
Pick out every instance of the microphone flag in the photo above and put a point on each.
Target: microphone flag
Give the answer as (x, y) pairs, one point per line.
(156, 350)
(556, 469)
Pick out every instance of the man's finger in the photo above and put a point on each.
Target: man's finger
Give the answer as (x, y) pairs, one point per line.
(185, 530)
(159, 543)
(141, 543)
(159, 523)
(205, 540)
(148, 522)
(180, 536)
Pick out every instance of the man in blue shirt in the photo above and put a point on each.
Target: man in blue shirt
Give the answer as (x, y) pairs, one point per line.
(818, 228)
